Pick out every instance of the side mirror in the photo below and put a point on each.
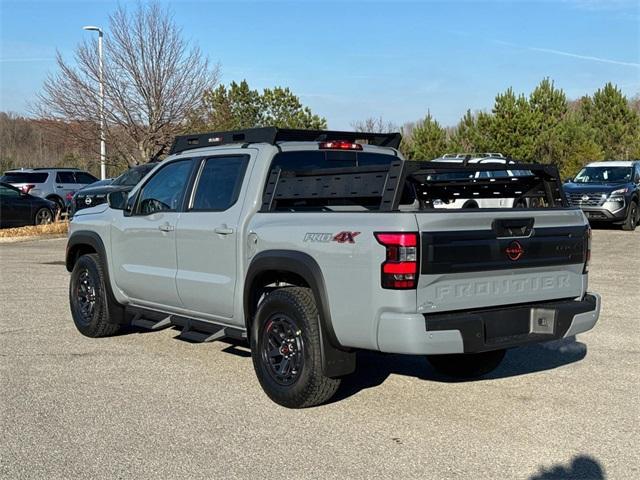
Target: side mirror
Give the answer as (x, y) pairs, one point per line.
(568, 180)
(117, 200)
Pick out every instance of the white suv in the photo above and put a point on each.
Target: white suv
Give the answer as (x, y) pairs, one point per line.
(481, 158)
(54, 184)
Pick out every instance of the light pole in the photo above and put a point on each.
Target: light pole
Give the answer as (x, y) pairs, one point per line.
(103, 148)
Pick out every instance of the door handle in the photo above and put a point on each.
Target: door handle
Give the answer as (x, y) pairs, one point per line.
(223, 230)
(59, 186)
(166, 228)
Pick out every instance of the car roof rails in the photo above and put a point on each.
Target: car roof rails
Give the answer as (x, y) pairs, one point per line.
(273, 135)
(54, 168)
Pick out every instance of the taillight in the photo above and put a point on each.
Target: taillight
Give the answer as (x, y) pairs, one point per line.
(69, 196)
(587, 253)
(26, 188)
(339, 145)
(400, 268)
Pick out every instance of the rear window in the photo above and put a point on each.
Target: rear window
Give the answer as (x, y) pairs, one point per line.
(319, 160)
(24, 177)
(333, 189)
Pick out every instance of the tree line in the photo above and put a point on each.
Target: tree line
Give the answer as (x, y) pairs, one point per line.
(542, 127)
(158, 85)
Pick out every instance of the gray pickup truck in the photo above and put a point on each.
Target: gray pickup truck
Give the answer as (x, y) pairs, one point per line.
(312, 245)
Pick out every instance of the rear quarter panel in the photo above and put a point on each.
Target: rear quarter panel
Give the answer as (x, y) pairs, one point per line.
(351, 270)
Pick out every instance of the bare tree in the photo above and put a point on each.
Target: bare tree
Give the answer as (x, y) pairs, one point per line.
(152, 78)
(372, 124)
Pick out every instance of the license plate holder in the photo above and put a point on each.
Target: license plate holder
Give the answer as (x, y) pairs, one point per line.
(542, 320)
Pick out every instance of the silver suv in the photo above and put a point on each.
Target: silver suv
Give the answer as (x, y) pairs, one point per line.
(54, 184)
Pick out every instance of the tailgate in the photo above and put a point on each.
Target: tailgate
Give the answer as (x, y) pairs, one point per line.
(480, 258)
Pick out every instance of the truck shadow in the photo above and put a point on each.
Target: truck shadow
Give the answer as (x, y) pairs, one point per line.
(582, 467)
(374, 368)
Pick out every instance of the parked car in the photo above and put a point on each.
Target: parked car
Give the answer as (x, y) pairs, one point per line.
(51, 183)
(295, 241)
(473, 159)
(96, 193)
(18, 209)
(608, 192)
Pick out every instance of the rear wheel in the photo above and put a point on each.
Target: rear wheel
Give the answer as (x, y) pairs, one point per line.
(58, 201)
(467, 365)
(43, 216)
(631, 221)
(285, 348)
(88, 298)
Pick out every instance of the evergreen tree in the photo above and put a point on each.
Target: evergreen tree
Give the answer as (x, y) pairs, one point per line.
(513, 129)
(238, 106)
(427, 140)
(548, 109)
(472, 134)
(616, 126)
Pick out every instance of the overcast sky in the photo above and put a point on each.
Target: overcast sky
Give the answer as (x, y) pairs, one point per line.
(352, 60)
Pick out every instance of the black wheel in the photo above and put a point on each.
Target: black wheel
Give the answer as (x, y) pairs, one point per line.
(43, 216)
(58, 201)
(631, 221)
(467, 365)
(88, 298)
(285, 348)
(470, 204)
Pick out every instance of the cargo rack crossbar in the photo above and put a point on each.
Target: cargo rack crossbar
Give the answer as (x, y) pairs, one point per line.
(273, 135)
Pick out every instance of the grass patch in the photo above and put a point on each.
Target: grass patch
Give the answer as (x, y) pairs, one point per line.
(57, 228)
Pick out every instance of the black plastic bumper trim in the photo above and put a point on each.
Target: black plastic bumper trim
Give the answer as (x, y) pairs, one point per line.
(507, 327)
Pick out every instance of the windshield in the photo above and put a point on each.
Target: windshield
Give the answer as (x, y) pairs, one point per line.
(604, 175)
(132, 176)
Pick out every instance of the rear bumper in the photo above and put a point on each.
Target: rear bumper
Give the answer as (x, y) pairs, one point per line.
(483, 330)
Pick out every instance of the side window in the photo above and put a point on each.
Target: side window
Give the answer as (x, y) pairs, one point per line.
(637, 173)
(65, 177)
(219, 183)
(163, 192)
(82, 177)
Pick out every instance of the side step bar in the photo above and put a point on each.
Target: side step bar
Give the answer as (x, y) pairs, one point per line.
(140, 322)
(197, 331)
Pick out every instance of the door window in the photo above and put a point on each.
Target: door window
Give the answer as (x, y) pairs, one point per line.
(164, 191)
(65, 177)
(219, 183)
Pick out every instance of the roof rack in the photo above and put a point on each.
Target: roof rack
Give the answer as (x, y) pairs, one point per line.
(274, 135)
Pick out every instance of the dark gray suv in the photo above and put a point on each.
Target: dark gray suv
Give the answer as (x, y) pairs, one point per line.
(608, 192)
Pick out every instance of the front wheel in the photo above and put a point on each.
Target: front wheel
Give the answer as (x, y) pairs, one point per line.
(631, 221)
(43, 216)
(285, 348)
(90, 307)
(467, 365)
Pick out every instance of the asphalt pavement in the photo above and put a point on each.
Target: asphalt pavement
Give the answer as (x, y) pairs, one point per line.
(147, 405)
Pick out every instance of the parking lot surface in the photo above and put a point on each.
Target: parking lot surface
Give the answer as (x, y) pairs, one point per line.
(146, 405)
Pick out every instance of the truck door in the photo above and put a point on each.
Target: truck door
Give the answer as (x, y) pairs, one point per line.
(144, 243)
(208, 238)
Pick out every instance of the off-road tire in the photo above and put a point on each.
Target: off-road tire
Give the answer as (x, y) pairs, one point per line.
(96, 323)
(310, 387)
(631, 221)
(467, 365)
